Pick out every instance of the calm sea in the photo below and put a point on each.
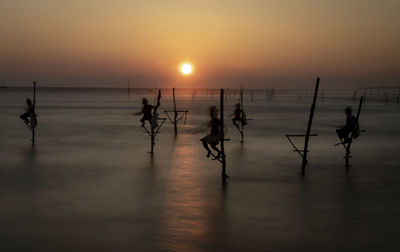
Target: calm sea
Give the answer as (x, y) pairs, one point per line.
(89, 184)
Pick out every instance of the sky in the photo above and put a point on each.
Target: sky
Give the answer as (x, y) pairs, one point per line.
(280, 43)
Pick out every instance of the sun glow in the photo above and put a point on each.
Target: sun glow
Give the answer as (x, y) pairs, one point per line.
(186, 69)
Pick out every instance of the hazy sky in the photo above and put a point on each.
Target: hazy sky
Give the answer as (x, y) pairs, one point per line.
(285, 43)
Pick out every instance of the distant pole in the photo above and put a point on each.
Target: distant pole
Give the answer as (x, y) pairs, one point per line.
(175, 113)
(352, 134)
(222, 135)
(304, 163)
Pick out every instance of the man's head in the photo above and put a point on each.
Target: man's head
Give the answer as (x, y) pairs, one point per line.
(28, 101)
(348, 111)
(144, 101)
(237, 105)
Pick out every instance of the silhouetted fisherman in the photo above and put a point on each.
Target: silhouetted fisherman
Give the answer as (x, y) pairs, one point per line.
(29, 111)
(239, 115)
(146, 111)
(214, 137)
(344, 131)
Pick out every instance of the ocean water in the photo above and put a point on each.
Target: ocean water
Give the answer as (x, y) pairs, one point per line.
(89, 183)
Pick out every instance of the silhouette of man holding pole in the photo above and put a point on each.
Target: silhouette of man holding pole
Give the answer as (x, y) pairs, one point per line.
(147, 111)
(214, 137)
(239, 116)
(29, 112)
(344, 131)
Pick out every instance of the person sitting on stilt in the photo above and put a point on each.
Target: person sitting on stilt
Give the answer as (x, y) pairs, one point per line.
(146, 111)
(29, 111)
(344, 131)
(239, 115)
(214, 137)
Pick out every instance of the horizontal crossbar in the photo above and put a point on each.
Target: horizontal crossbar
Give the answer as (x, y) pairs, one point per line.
(300, 135)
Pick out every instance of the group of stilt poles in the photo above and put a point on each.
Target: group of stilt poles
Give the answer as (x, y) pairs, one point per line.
(177, 114)
(346, 144)
(303, 153)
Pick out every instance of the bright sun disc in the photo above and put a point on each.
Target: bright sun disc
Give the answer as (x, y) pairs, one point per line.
(186, 69)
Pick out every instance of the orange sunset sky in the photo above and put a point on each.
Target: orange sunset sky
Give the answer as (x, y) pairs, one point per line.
(285, 43)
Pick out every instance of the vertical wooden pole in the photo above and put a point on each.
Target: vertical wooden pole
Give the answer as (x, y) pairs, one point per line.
(152, 139)
(175, 113)
(155, 93)
(352, 135)
(241, 107)
(222, 135)
(33, 124)
(304, 163)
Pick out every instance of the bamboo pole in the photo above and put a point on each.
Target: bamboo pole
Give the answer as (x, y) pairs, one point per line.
(304, 163)
(352, 135)
(33, 124)
(224, 175)
(241, 107)
(152, 140)
(175, 113)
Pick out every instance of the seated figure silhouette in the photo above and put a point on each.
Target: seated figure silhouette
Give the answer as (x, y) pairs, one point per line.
(344, 131)
(146, 111)
(214, 137)
(29, 112)
(239, 116)
(150, 112)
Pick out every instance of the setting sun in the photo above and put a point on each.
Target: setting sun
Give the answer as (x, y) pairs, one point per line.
(186, 69)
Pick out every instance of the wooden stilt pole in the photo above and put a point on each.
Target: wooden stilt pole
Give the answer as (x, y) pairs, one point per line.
(175, 113)
(224, 175)
(304, 163)
(33, 124)
(241, 107)
(352, 135)
(153, 133)
(152, 139)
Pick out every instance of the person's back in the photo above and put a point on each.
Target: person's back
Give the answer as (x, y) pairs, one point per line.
(146, 110)
(215, 126)
(29, 108)
(350, 122)
(238, 113)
